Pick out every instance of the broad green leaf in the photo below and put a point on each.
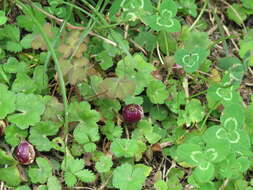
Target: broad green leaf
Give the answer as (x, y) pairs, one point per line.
(159, 113)
(191, 59)
(29, 113)
(23, 83)
(104, 164)
(14, 66)
(40, 78)
(13, 135)
(237, 13)
(108, 107)
(85, 176)
(70, 179)
(136, 176)
(54, 109)
(41, 173)
(10, 175)
(204, 176)
(6, 158)
(40, 132)
(161, 185)
(117, 87)
(83, 113)
(193, 113)
(53, 183)
(105, 60)
(3, 18)
(84, 134)
(7, 101)
(139, 71)
(126, 148)
(111, 131)
(157, 92)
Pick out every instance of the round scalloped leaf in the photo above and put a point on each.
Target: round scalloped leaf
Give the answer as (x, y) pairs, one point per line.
(137, 70)
(30, 107)
(7, 101)
(135, 175)
(190, 59)
(157, 92)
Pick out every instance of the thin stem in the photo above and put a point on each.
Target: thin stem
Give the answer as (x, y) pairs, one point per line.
(200, 15)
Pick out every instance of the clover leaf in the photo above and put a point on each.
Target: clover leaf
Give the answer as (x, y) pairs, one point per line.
(191, 59)
(39, 133)
(157, 92)
(30, 108)
(7, 101)
(164, 20)
(135, 176)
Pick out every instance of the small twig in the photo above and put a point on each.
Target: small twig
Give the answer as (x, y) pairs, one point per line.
(105, 183)
(158, 53)
(139, 47)
(126, 31)
(224, 185)
(232, 40)
(186, 88)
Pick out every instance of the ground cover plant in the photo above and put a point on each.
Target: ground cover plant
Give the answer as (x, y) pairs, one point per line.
(126, 94)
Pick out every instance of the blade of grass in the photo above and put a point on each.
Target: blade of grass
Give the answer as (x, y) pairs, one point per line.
(28, 11)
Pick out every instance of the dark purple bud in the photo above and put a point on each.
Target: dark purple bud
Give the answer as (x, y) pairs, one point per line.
(132, 113)
(25, 153)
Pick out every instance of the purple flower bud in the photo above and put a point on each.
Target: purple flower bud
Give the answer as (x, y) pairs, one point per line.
(132, 113)
(25, 153)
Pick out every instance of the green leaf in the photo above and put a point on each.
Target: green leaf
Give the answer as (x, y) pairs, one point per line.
(7, 101)
(137, 70)
(29, 113)
(117, 87)
(104, 164)
(237, 13)
(135, 175)
(164, 21)
(83, 113)
(126, 148)
(105, 60)
(146, 40)
(159, 113)
(157, 92)
(160, 185)
(189, 7)
(14, 66)
(40, 78)
(84, 134)
(70, 179)
(39, 133)
(193, 113)
(85, 176)
(204, 176)
(12, 32)
(191, 59)
(6, 159)
(53, 183)
(13, 46)
(3, 18)
(54, 109)
(13, 135)
(111, 131)
(26, 41)
(23, 83)
(41, 173)
(10, 175)
(108, 107)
